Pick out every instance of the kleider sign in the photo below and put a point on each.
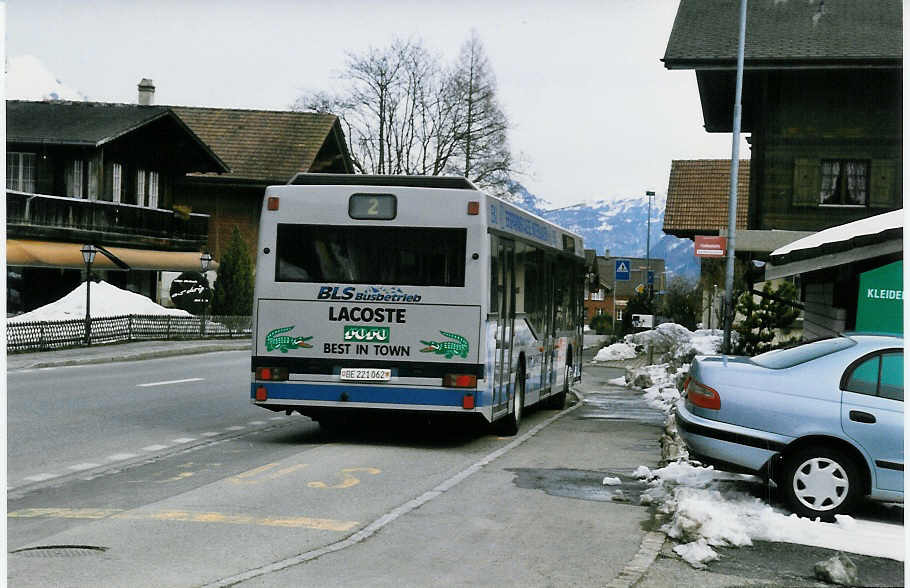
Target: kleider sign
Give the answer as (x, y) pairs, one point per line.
(710, 246)
(880, 307)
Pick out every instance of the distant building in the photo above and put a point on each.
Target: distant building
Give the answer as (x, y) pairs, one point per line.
(601, 300)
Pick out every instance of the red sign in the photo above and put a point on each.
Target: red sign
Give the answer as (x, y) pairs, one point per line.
(710, 246)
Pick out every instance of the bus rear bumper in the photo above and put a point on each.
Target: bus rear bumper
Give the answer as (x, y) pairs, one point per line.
(309, 399)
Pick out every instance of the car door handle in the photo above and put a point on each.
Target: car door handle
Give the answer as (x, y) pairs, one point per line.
(861, 417)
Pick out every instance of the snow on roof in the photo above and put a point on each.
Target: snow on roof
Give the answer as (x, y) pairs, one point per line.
(107, 300)
(867, 226)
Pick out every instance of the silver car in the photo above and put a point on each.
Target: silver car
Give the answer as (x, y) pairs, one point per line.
(824, 420)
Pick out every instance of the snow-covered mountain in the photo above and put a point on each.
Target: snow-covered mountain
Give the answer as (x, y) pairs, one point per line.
(27, 78)
(619, 225)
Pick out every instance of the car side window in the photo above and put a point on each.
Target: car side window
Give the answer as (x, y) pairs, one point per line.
(864, 379)
(892, 379)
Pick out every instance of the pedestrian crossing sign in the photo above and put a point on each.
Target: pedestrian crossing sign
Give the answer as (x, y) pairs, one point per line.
(623, 269)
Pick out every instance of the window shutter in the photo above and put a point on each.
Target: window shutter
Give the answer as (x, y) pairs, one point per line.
(883, 181)
(805, 182)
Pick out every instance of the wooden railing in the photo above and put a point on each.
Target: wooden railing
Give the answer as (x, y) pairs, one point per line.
(26, 213)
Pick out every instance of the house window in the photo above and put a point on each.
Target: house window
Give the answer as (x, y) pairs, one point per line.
(140, 186)
(116, 181)
(152, 201)
(74, 176)
(20, 171)
(618, 314)
(844, 182)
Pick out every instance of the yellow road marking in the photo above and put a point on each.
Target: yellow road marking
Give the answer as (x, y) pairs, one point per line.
(348, 480)
(184, 516)
(260, 473)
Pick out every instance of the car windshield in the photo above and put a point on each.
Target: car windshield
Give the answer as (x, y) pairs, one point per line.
(784, 358)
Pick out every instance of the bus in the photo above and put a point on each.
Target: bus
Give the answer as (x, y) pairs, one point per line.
(412, 294)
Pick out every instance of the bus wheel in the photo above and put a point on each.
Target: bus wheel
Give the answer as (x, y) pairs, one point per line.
(558, 401)
(512, 422)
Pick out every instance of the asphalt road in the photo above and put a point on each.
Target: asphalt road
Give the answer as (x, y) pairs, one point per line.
(160, 473)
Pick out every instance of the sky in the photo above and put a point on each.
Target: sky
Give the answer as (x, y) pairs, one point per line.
(594, 114)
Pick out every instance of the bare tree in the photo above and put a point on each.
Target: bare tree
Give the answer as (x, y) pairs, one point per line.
(483, 151)
(403, 113)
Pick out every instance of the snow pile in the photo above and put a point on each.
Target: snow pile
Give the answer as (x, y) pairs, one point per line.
(676, 342)
(106, 300)
(703, 511)
(616, 351)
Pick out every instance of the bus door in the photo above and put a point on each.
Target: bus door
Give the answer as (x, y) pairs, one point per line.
(504, 282)
(550, 301)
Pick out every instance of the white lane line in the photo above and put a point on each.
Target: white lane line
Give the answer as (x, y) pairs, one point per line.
(255, 423)
(79, 467)
(236, 428)
(277, 418)
(210, 434)
(121, 456)
(184, 440)
(154, 448)
(169, 382)
(41, 477)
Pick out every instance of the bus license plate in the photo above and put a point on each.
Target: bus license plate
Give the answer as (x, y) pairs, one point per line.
(366, 374)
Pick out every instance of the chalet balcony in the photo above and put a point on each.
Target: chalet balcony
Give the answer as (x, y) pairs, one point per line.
(38, 216)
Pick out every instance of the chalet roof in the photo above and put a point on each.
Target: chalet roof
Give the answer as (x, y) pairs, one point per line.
(786, 33)
(93, 124)
(699, 194)
(264, 145)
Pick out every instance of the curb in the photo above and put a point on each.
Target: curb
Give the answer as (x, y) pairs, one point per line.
(136, 356)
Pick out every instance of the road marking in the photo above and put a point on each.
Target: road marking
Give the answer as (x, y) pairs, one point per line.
(41, 477)
(185, 517)
(83, 466)
(154, 448)
(169, 382)
(256, 475)
(183, 440)
(210, 434)
(348, 480)
(391, 516)
(121, 456)
(256, 423)
(236, 428)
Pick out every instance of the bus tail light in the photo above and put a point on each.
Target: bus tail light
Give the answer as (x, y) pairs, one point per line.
(273, 203)
(702, 395)
(272, 374)
(467, 401)
(261, 394)
(473, 208)
(459, 381)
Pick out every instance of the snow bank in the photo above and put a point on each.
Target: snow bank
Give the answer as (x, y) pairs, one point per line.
(676, 342)
(616, 351)
(107, 300)
(703, 511)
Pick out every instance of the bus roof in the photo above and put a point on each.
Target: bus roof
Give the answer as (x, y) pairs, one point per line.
(451, 182)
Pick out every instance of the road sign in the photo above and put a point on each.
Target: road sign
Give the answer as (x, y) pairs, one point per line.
(650, 277)
(623, 269)
(710, 246)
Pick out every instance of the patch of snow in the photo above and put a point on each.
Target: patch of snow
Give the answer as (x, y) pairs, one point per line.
(612, 481)
(872, 225)
(620, 381)
(616, 351)
(106, 300)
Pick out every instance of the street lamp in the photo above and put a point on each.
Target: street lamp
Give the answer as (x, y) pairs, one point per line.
(204, 262)
(88, 256)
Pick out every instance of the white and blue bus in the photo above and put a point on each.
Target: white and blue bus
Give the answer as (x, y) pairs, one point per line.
(412, 293)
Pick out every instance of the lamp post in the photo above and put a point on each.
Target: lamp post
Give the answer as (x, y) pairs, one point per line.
(88, 256)
(204, 261)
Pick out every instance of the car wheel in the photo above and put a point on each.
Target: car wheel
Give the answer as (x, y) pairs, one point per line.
(820, 482)
(512, 422)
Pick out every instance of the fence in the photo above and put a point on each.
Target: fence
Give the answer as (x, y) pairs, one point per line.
(48, 335)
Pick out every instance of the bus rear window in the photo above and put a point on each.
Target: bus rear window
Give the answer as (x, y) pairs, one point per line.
(401, 256)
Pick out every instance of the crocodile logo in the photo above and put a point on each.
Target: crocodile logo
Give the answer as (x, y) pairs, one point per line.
(275, 340)
(448, 348)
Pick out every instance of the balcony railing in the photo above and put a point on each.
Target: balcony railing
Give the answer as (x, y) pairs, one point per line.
(34, 215)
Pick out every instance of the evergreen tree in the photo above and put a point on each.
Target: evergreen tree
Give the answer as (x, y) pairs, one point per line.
(234, 286)
(761, 319)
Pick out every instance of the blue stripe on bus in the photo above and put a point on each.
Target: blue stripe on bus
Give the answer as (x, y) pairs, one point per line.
(376, 394)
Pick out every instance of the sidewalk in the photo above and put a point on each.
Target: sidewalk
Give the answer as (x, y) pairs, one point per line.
(120, 352)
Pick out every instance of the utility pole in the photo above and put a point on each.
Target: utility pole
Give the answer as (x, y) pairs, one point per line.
(729, 311)
(648, 284)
